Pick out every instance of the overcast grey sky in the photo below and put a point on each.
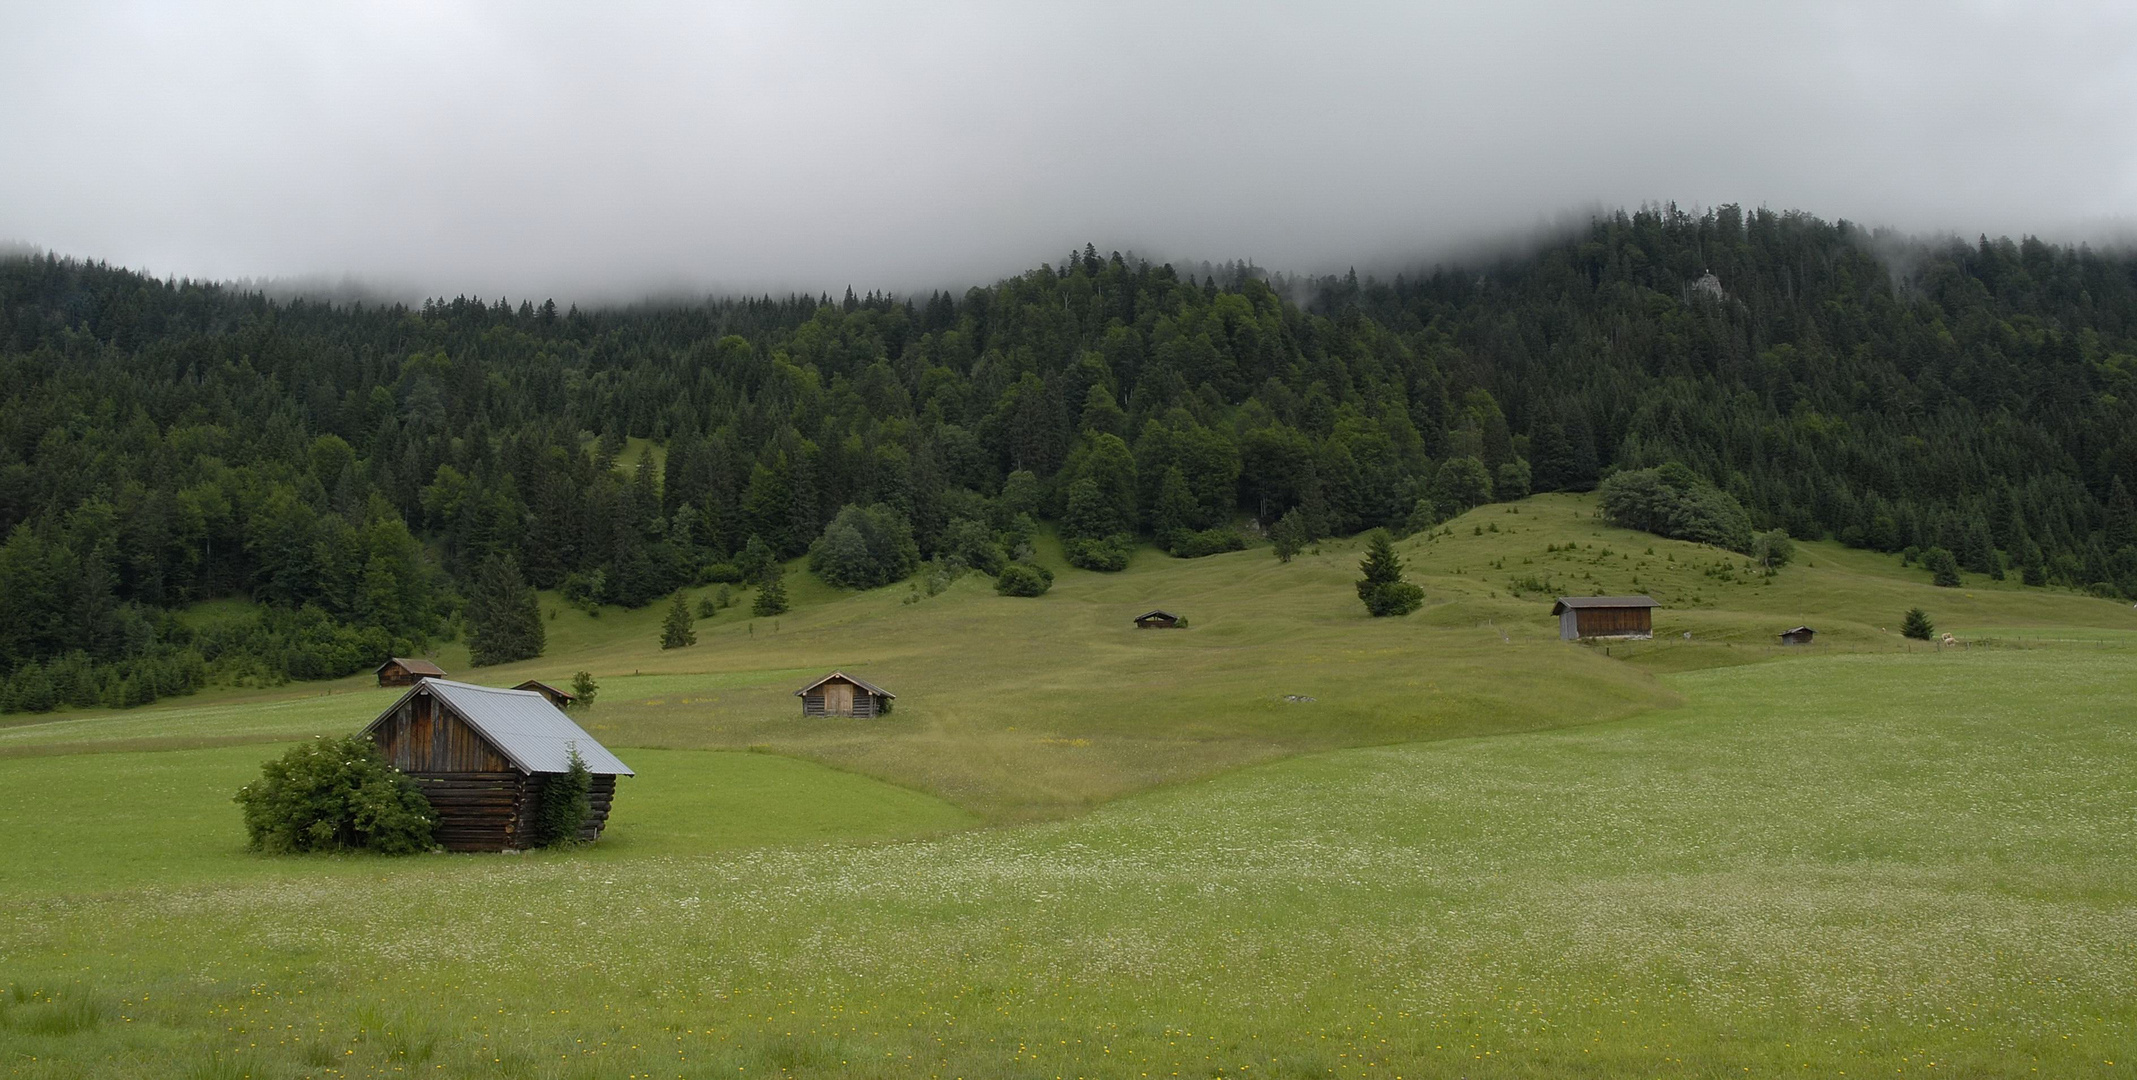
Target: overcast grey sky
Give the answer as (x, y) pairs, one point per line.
(602, 150)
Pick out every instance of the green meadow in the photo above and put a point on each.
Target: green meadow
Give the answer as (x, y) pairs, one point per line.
(1288, 841)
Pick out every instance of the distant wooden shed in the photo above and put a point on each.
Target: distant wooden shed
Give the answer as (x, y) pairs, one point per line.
(1605, 617)
(1801, 635)
(1157, 620)
(483, 756)
(402, 671)
(840, 694)
(562, 699)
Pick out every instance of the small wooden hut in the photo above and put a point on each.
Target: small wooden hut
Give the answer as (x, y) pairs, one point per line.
(840, 694)
(483, 756)
(1801, 635)
(562, 699)
(1157, 620)
(1605, 617)
(402, 671)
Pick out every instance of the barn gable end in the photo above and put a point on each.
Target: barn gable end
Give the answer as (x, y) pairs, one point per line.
(483, 757)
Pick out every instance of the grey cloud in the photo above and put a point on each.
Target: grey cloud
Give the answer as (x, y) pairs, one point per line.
(606, 151)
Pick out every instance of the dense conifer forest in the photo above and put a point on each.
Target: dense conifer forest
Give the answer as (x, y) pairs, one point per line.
(367, 473)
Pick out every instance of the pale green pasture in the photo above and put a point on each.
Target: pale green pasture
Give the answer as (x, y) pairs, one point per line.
(1870, 864)
(93, 823)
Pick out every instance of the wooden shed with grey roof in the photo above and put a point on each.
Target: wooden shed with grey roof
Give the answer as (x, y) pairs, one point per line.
(840, 694)
(404, 671)
(483, 757)
(1605, 617)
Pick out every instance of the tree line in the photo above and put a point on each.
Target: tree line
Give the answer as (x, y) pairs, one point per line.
(375, 477)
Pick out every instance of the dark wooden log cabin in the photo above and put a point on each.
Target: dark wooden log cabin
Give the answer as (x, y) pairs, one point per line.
(1157, 620)
(1801, 635)
(840, 694)
(1605, 617)
(483, 756)
(562, 699)
(402, 671)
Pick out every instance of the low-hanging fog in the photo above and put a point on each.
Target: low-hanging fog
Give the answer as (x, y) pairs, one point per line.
(606, 151)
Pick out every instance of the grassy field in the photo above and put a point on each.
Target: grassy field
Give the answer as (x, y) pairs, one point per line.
(1289, 841)
(1871, 864)
(1019, 709)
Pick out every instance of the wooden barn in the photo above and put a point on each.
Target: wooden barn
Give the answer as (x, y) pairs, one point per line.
(1801, 635)
(401, 671)
(840, 694)
(562, 699)
(1157, 620)
(482, 755)
(1605, 617)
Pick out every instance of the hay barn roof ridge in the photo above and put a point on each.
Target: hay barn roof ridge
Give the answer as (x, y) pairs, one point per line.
(522, 724)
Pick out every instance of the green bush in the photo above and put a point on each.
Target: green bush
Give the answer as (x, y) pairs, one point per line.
(1023, 579)
(567, 798)
(1109, 554)
(1194, 545)
(864, 548)
(336, 795)
(1674, 501)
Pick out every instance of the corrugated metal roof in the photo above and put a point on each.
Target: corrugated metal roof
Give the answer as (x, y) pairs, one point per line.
(535, 734)
(413, 667)
(1565, 602)
(862, 683)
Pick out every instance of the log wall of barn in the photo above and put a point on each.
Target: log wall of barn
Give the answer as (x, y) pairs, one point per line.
(1615, 622)
(423, 737)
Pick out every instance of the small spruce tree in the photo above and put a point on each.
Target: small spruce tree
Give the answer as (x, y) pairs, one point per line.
(706, 607)
(1917, 625)
(1289, 534)
(1382, 588)
(1943, 567)
(567, 797)
(504, 619)
(771, 594)
(675, 630)
(584, 687)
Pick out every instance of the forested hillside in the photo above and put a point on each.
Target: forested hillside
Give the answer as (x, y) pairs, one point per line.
(359, 470)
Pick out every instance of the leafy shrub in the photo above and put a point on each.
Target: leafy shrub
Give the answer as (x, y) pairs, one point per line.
(865, 547)
(1109, 554)
(1673, 501)
(707, 607)
(1917, 625)
(722, 573)
(1023, 579)
(1194, 545)
(336, 795)
(1773, 549)
(567, 798)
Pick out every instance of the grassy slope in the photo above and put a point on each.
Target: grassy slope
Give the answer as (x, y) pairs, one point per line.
(1848, 863)
(1019, 709)
(176, 824)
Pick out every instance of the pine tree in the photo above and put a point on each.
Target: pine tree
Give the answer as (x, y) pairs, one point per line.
(1917, 625)
(771, 593)
(504, 616)
(1289, 534)
(1382, 588)
(676, 630)
(2121, 517)
(583, 687)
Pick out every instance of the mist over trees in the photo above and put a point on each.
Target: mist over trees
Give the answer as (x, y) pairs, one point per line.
(355, 469)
